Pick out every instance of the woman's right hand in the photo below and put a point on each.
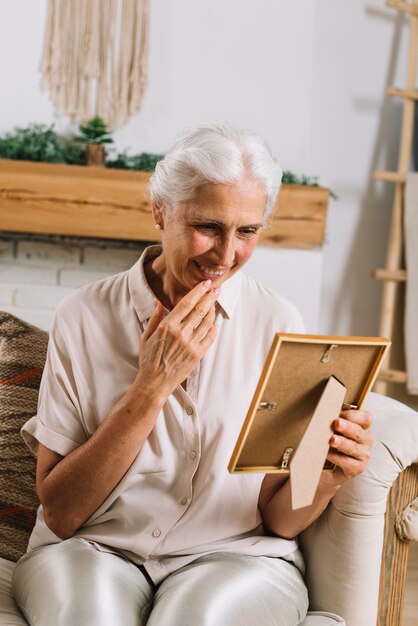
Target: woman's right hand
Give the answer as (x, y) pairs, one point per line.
(172, 346)
(72, 488)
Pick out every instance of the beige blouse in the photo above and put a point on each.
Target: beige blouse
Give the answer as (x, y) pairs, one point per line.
(178, 500)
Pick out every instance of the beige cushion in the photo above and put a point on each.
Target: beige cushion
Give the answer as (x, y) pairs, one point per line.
(343, 547)
(9, 613)
(319, 618)
(22, 356)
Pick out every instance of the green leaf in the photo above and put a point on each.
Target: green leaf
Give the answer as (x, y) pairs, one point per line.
(94, 131)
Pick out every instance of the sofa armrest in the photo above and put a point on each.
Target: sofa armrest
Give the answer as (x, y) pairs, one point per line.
(343, 548)
(395, 551)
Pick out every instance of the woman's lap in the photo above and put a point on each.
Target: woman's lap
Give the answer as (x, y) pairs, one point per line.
(225, 589)
(74, 583)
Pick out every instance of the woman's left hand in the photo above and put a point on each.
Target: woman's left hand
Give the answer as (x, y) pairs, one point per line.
(350, 446)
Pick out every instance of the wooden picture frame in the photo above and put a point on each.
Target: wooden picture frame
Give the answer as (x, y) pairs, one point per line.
(304, 382)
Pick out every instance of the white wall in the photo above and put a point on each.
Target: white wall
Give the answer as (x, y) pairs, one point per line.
(359, 49)
(308, 75)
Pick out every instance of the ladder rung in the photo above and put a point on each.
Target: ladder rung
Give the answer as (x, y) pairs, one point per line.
(383, 274)
(403, 6)
(392, 376)
(390, 177)
(412, 94)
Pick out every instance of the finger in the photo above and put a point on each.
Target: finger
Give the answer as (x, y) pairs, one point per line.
(353, 431)
(189, 301)
(204, 326)
(154, 321)
(360, 417)
(342, 448)
(355, 425)
(348, 465)
(208, 339)
(201, 310)
(350, 448)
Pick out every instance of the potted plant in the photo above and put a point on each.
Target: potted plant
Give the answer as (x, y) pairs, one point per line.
(94, 134)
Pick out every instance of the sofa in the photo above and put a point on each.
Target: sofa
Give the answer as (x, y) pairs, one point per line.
(355, 553)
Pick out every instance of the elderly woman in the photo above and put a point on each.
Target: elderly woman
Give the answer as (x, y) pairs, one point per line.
(148, 378)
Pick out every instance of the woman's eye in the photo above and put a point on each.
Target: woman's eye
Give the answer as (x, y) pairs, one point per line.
(248, 232)
(208, 227)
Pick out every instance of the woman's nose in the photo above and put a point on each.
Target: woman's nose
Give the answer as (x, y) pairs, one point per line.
(226, 251)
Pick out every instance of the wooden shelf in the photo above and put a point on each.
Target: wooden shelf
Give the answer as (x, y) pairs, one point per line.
(115, 204)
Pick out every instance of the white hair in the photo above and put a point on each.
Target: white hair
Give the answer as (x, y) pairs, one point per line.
(214, 153)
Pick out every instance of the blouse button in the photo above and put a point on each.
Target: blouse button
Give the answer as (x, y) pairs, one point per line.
(192, 455)
(189, 410)
(156, 533)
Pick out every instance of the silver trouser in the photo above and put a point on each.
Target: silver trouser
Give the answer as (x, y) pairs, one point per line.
(72, 583)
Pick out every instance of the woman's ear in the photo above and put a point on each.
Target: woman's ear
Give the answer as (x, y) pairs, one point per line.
(157, 215)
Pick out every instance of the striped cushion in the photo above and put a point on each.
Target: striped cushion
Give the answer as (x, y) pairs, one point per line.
(22, 357)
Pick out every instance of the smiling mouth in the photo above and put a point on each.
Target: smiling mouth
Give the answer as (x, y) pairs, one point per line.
(210, 271)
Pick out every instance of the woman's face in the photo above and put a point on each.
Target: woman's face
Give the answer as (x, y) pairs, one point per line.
(211, 236)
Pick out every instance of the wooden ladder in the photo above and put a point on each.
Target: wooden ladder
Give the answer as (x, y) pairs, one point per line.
(394, 273)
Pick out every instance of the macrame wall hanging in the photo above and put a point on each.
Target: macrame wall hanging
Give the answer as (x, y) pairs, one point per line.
(95, 57)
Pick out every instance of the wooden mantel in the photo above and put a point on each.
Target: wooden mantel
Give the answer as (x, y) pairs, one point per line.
(114, 204)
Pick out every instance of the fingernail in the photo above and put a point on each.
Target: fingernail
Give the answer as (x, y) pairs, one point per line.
(216, 291)
(340, 424)
(206, 284)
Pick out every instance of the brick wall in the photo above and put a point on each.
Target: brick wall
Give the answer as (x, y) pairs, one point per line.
(36, 271)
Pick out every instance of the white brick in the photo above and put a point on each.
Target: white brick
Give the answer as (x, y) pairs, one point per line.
(40, 297)
(6, 294)
(79, 277)
(6, 249)
(18, 274)
(42, 319)
(54, 252)
(110, 257)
